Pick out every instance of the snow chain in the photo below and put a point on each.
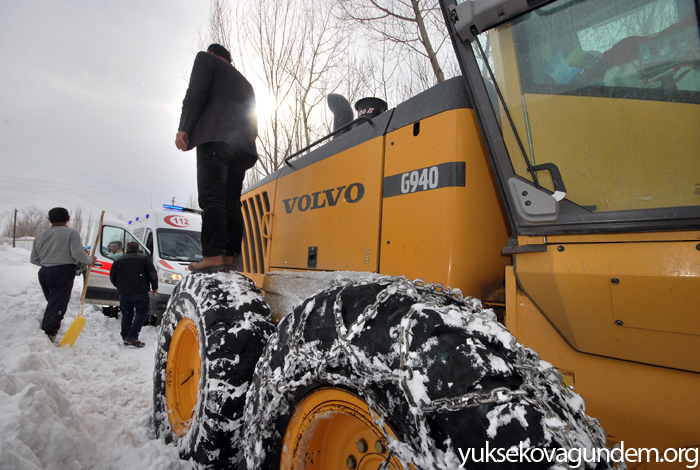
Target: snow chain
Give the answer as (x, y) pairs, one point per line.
(527, 363)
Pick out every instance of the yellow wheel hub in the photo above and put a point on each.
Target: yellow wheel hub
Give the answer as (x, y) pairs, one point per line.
(183, 371)
(333, 428)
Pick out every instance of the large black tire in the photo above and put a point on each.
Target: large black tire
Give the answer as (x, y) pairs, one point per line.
(233, 325)
(437, 368)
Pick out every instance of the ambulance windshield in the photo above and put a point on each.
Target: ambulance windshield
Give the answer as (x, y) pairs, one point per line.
(179, 245)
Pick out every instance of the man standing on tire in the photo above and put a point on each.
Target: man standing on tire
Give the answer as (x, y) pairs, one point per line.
(132, 274)
(57, 250)
(218, 117)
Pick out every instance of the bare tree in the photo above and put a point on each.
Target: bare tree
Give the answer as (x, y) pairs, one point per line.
(316, 68)
(412, 28)
(380, 76)
(269, 33)
(219, 26)
(192, 201)
(220, 23)
(88, 231)
(31, 222)
(6, 217)
(76, 220)
(300, 51)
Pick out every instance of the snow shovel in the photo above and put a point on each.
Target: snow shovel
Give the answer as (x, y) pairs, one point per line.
(77, 326)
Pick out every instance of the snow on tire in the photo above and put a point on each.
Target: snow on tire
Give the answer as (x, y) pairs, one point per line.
(216, 326)
(435, 368)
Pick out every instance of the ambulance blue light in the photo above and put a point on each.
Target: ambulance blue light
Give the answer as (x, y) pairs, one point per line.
(181, 209)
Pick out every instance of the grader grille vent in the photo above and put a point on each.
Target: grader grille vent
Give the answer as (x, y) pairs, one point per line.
(254, 249)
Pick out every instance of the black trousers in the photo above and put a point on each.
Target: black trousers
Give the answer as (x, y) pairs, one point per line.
(131, 325)
(57, 284)
(220, 172)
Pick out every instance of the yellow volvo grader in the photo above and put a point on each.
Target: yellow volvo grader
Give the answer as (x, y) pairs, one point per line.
(557, 180)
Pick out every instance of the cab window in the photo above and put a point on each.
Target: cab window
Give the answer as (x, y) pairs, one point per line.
(608, 94)
(627, 49)
(114, 240)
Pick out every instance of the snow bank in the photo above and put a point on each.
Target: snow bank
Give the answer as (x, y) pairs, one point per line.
(16, 273)
(88, 407)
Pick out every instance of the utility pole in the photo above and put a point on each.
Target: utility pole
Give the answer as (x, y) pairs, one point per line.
(14, 230)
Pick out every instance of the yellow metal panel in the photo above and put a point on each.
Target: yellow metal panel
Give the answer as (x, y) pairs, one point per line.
(642, 405)
(333, 205)
(658, 304)
(448, 235)
(619, 154)
(257, 235)
(577, 287)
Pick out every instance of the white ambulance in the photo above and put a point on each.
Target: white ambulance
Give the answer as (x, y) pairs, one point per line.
(171, 236)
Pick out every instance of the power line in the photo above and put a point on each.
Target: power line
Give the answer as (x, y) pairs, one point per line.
(12, 193)
(41, 184)
(10, 187)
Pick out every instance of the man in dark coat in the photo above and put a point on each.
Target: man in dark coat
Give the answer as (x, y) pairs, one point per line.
(132, 274)
(57, 250)
(218, 117)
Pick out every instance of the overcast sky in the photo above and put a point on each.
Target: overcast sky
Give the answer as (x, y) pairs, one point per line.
(90, 97)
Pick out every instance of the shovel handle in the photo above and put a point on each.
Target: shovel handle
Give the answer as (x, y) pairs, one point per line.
(89, 268)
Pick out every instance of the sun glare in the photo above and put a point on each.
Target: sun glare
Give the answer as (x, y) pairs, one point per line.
(265, 106)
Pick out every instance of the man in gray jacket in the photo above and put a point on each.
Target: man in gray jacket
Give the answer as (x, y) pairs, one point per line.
(57, 250)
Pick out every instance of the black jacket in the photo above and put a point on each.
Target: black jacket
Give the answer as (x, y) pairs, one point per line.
(219, 105)
(132, 273)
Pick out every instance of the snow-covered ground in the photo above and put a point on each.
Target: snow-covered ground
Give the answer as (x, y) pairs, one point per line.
(86, 407)
(90, 406)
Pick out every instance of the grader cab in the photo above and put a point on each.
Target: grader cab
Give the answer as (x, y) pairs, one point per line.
(557, 180)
